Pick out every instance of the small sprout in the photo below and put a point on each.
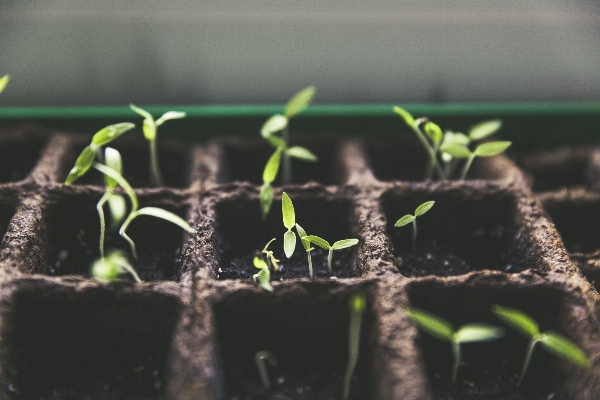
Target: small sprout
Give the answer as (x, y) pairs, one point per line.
(357, 305)
(270, 257)
(3, 82)
(324, 244)
(289, 221)
(408, 218)
(260, 358)
(555, 343)
(264, 275)
(307, 247)
(108, 268)
(150, 129)
(483, 150)
(443, 330)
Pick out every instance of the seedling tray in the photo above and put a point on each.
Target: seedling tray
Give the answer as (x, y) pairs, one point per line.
(513, 235)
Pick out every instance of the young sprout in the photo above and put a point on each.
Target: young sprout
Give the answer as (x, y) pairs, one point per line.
(324, 244)
(483, 150)
(289, 221)
(270, 257)
(357, 304)
(135, 212)
(108, 268)
(103, 137)
(264, 275)
(269, 175)
(150, 128)
(408, 218)
(3, 82)
(555, 343)
(260, 358)
(307, 247)
(443, 330)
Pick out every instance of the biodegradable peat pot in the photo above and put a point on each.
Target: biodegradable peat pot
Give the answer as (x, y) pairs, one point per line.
(191, 330)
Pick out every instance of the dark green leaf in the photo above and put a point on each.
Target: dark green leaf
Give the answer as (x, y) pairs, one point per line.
(272, 167)
(423, 208)
(432, 324)
(108, 134)
(342, 244)
(564, 348)
(289, 243)
(299, 101)
(478, 333)
(287, 209)
(301, 153)
(457, 151)
(322, 243)
(410, 121)
(484, 129)
(517, 319)
(274, 124)
(491, 149)
(407, 219)
(82, 165)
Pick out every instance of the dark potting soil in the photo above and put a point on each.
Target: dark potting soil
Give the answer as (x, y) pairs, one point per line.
(343, 265)
(577, 222)
(18, 157)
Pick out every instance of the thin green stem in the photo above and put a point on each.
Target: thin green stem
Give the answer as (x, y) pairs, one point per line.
(156, 178)
(414, 243)
(100, 209)
(329, 257)
(430, 151)
(456, 352)
(260, 358)
(467, 166)
(353, 350)
(528, 355)
(125, 225)
(310, 268)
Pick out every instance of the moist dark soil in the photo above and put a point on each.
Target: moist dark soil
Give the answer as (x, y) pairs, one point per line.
(18, 155)
(343, 265)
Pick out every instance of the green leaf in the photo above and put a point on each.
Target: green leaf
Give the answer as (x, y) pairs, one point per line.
(358, 303)
(455, 139)
(342, 244)
(299, 101)
(259, 263)
(149, 129)
(167, 216)
(103, 269)
(306, 244)
(457, 151)
(276, 142)
(562, 347)
(274, 124)
(407, 219)
(517, 319)
(491, 149)
(170, 115)
(484, 129)
(82, 165)
(301, 153)
(141, 111)
(121, 181)
(289, 243)
(3, 82)
(266, 199)
(108, 134)
(410, 121)
(272, 167)
(287, 209)
(112, 158)
(264, 278)
(301, 231)
(118, 209)
(434, 132)
(478, 333)
(423, 208)
(322, 243)
(431, 323)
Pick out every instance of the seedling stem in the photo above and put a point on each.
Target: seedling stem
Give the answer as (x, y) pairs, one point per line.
(324, 244)
(357, 304)
(408, 218)
(260, 359)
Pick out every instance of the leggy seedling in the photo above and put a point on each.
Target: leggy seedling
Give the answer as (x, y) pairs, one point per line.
(443, 330)
(108, 268)
(324, 244)
(264, 275)
(550, 340)
(269, 175)
(260, 358)
(408, 218)
(483, 150)
(150, 129)
(307, 247)
(357, 305)
(3, 82)
(269, 255)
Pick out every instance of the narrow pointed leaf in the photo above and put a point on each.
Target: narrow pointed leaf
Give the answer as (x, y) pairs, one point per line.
(273, 125)
(484, 129)
(491, 149)
(423, 208)
(322, 243)
(432, 324)
(562, 347)
(272, 167)
(112, 158)
(259, 263)
(82, 165)
(3, 82)
(301, 153)
(141, 111)
(434, 132)
(266, 199)
(301, 231)
(108, 134)
(410, 121)
(342, 244)
(170, 115)
(299, 101)
(289, 243)
(517, 320)
(287, 209)
(457, 151)
(121, 181)
(167, 216)
(478, 333)
(407, 219)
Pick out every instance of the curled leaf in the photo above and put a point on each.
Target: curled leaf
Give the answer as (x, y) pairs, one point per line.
(259, 263)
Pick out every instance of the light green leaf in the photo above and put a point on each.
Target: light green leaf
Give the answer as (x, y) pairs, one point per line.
(276, 142)
(342, 244)
(301, 231)
(306, 244)
(299, 101)
(141, 111)
(431, 323)
(358, 303)
(108, 134)
(264, 278)
(423, 208)
(301, 153)
(112, 158)
(272, 167)
(478, 333)
(289, 243)
(268, 244)
(104, 270)
(410, 121)
(322, 243)
(149, 129)
(266, 199)
(274, 124)
(407, 219)
(3, 82)
(457, 151)
(121, 181)
(517, 319)
(434, 132)
(287, 209)
(259, 263)
(562, 347)
(118, 209)
(491, 149)
(170, 115)
(455, 139)
(82, 165)
(167, 216)
(484, 129)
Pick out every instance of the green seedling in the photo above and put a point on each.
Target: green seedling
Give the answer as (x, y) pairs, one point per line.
(136, 211)
(270, 257)
(555, 343)
(283, 152)
(3, 82)
(441, 329)
(357, 305)
(307, 247)
(260, 358)
(483, 150)
(107, 269)
(408, 218)
(116, 202)
(264, 275)
(94, 151)
(150, 129)
(289, 221)
(324, 244)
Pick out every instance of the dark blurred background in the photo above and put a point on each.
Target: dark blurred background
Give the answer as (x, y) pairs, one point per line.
(68, 52)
